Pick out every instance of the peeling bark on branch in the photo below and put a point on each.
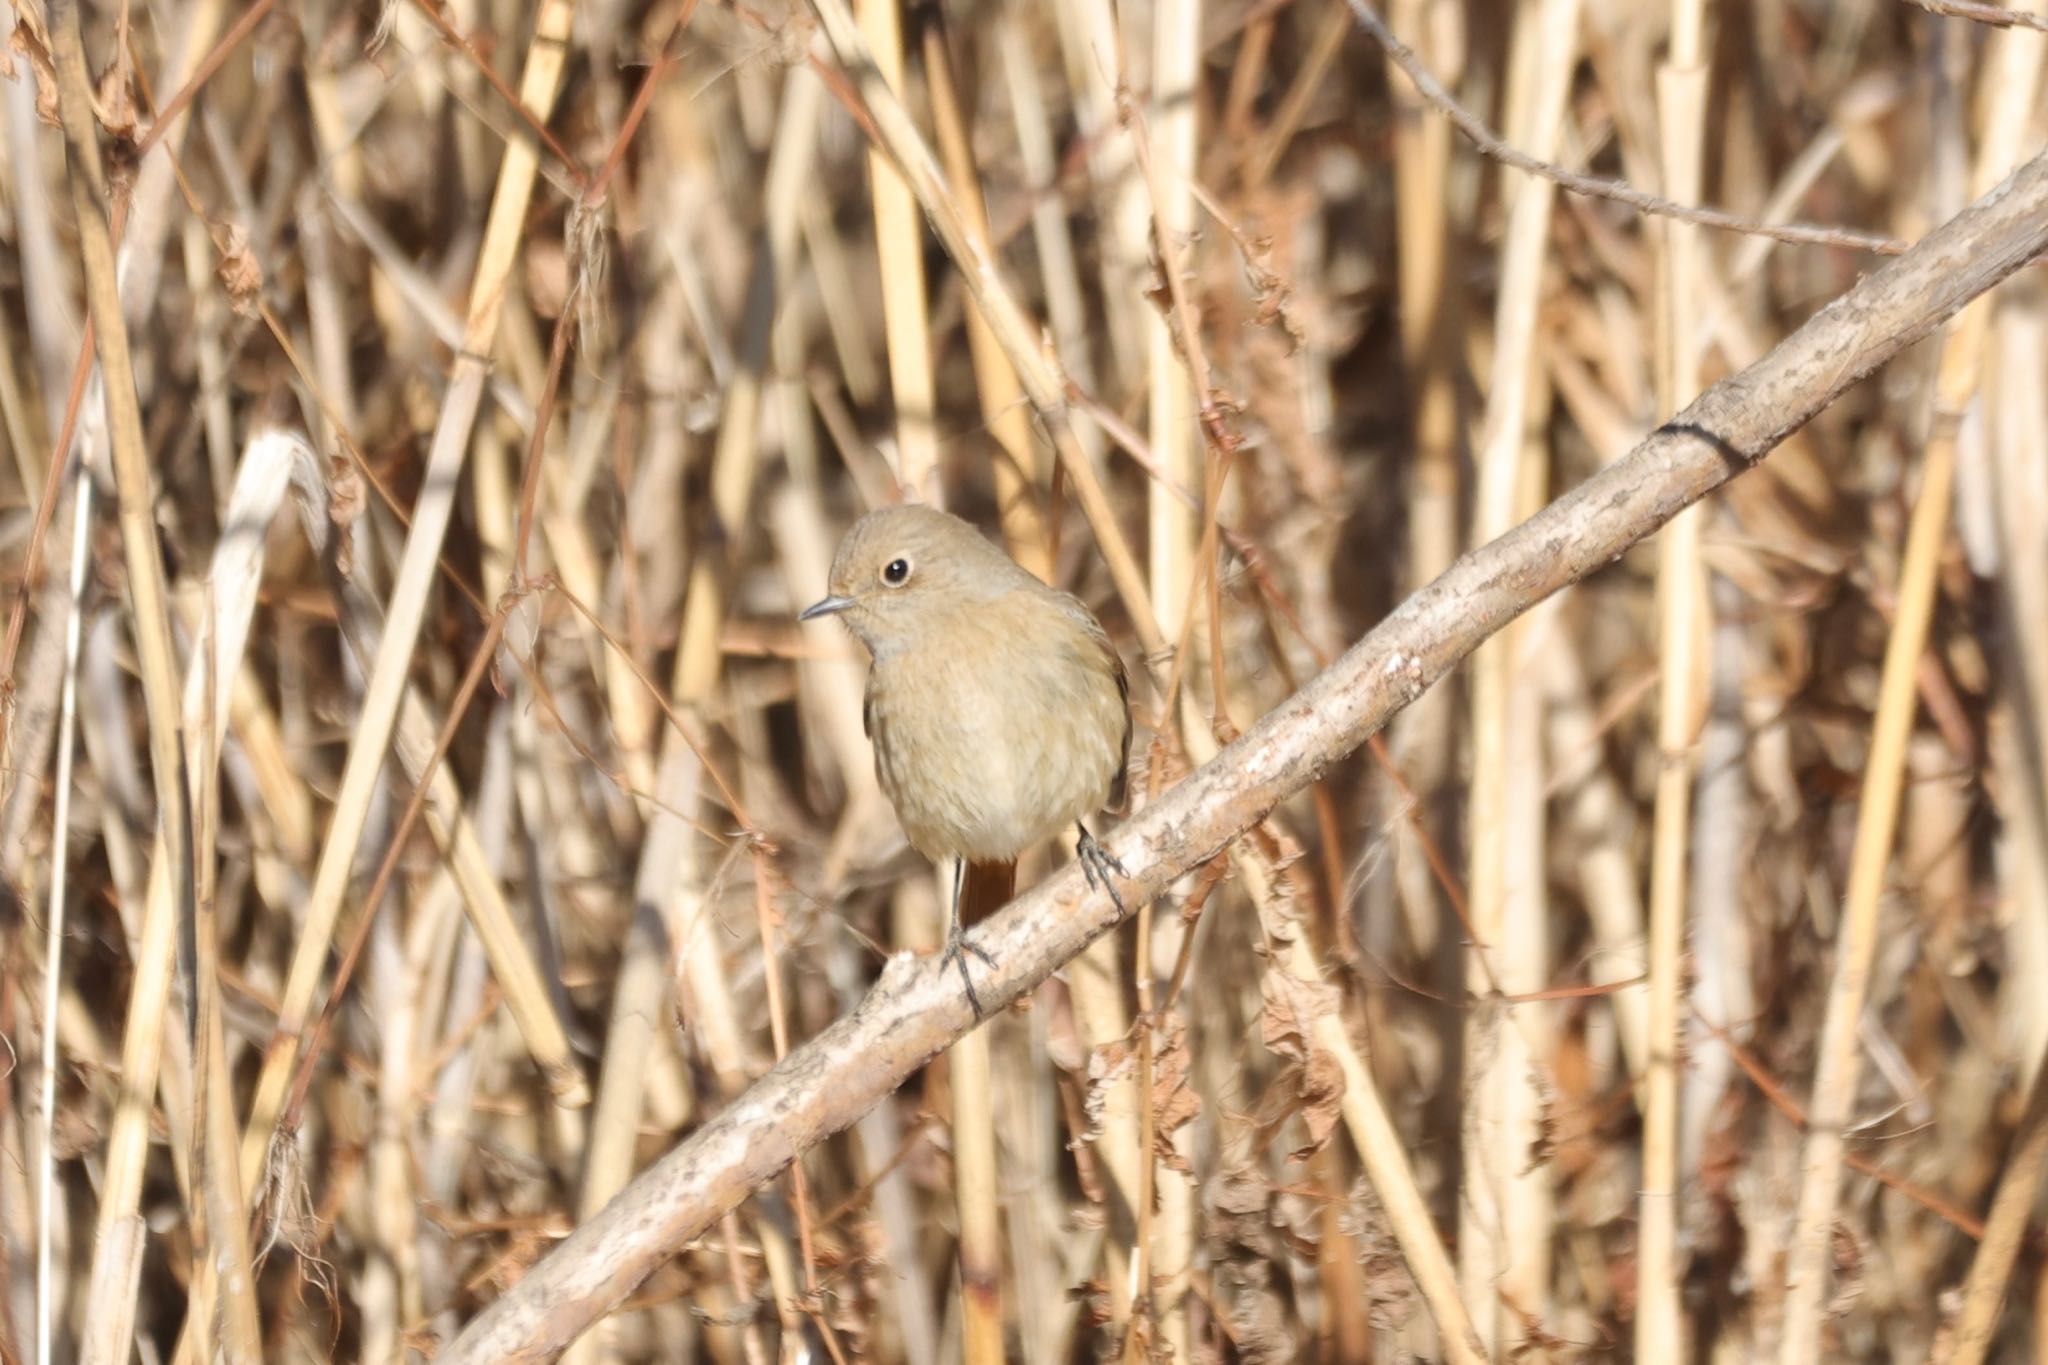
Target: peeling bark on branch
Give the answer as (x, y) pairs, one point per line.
(916, 1009)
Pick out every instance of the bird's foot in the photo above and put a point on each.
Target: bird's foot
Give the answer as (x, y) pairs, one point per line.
(1099, 867)
(958, 949)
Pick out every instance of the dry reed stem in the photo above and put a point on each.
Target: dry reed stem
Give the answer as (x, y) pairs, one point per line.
(898, 239)
(1286, 121)
(1016, 473)
(1051, 234)
(1166, 139)
(1966, 1340)
(1419, 737)
(53, 930)
(148, 608)
(2018, 60)
(974, 1194)
(1681, 118)
(916, 1009)
(1090, 44)
(221, 1226)
(1502, 1214)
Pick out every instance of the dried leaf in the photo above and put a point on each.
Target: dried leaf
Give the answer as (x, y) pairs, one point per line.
(1279, 912)
(1246, 1249)
(344, 507)
(114, 101)
(31, 40)
(240, 273)
(1107, 1066)
(1322, 1097)
(1390, 1289)
(1287, 1024)
(1174, 1101)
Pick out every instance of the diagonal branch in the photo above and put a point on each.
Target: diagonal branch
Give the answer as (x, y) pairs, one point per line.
(915, 1010)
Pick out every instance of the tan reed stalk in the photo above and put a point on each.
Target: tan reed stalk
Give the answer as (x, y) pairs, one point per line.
(1681, 104)
(2010, 500)
(148, 605)
(1247, 70)
(21, 420)
(484, 900)
(1172, 528)
(1060, 274)
(1179, 385)
(1308, 79)
(1969, 1336)
(899, 243)
(48, 1216)
(1503, 1220)
(1089, 44)
(1421, 737)
(2016, 59)
(407, 989)
(1386, 1164)
(846, 321)
(975, 1189)
(229, 1330)
(1597, 809)
(641, 989)
(1017, 477)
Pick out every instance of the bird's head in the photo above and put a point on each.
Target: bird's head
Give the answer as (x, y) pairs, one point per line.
(906, 569)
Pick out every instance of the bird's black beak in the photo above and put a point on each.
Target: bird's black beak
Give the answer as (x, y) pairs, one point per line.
(828, 606)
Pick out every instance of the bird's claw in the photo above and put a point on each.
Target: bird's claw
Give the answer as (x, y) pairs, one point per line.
(1099, 866)
(957, 950)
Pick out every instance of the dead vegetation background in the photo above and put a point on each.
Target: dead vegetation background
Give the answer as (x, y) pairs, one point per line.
(624, 367)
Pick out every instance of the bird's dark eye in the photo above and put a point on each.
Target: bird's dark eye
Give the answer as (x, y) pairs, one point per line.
(895, 572)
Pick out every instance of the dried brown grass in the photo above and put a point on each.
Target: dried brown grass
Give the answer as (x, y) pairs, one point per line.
(593, 389)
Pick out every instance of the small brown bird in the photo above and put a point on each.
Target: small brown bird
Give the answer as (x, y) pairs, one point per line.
(998, 708)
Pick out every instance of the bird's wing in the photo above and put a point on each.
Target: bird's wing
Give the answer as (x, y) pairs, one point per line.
(1119, 787)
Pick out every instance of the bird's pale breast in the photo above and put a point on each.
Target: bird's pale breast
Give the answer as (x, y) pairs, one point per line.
(1000, 729)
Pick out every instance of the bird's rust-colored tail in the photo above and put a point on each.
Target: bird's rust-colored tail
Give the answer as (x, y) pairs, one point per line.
(988, 888)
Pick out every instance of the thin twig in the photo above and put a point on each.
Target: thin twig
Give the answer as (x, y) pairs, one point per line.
(1593, 186)
(1995, 15)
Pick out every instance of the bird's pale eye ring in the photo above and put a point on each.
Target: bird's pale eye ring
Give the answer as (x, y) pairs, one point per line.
(896, 572)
